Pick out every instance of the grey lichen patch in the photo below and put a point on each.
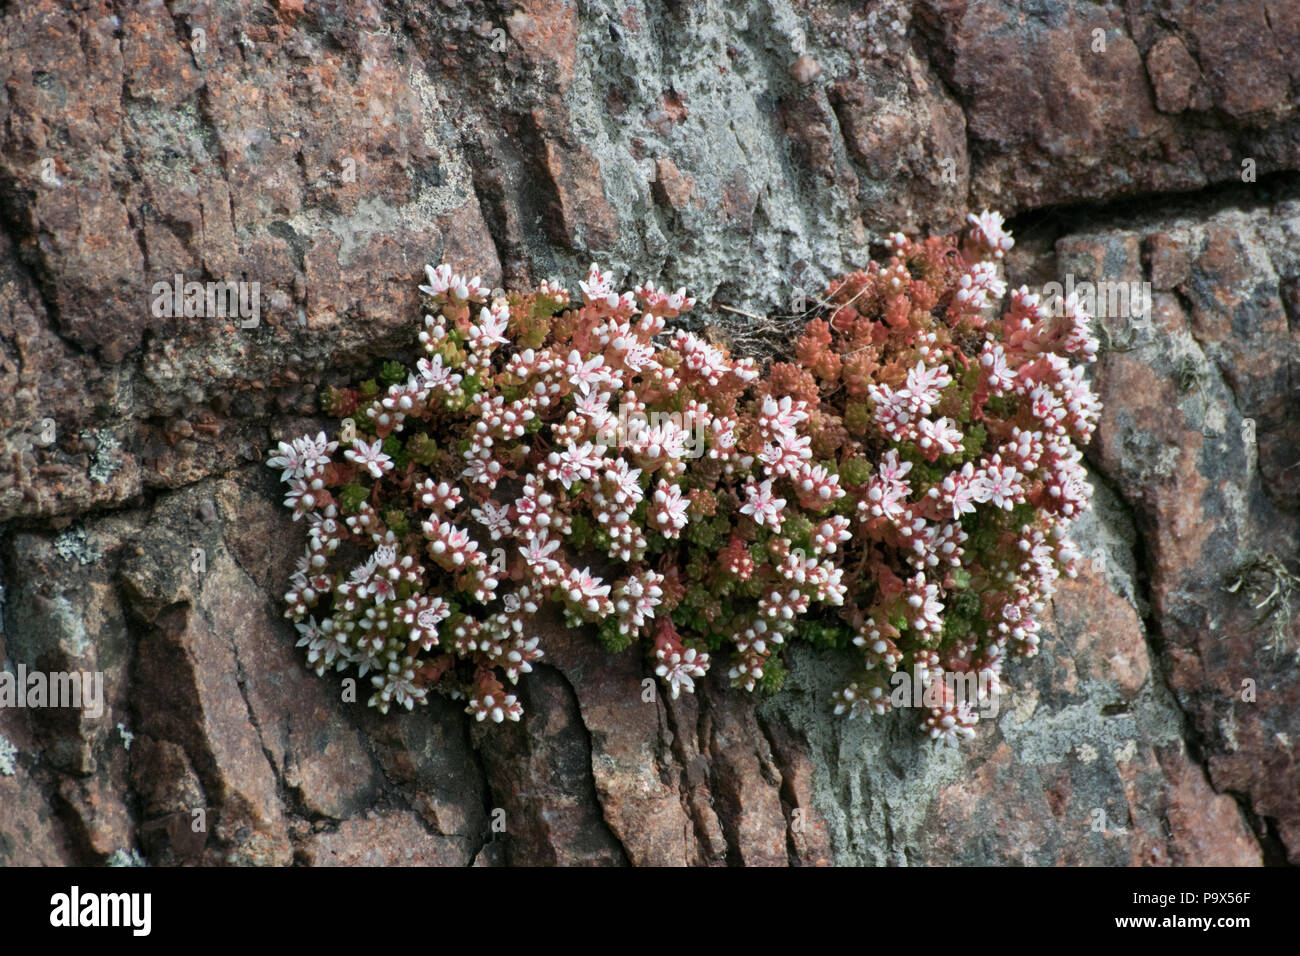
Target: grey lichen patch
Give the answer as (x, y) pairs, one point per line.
(722, 130)
(434, 195)
(455, 187)
(106, 460)
(8, 756)
(72, 545)
(126, 858)
(1051, 735)
(71, 623)
(1106, 536)
(867, 773)
(183, 139)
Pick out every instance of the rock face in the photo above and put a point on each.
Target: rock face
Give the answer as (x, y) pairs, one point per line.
(327, 151)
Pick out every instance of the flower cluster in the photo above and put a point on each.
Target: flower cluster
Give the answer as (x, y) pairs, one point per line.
(903, 486)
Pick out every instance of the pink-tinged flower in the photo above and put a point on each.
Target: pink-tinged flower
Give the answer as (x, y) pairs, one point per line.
(1081, 404)
(381, 589)
(762, 505)
(980, 287)
(450, 546)
(315, 452)
(924, 607)
(519, 653)
(290, 459)
(589, 375)
(468, 288)
(668, 510)
(678, 668)
(431, 612)
(925, 385)
(594, 406)
(575, 463)
(653, 299)
(499, 706)
(662, 442)
(598, 287)
(987, 231)
(747, 670)
(958, 492)
(1068, 484)
(625, 479)
(322, 645)
(491, 326)
(1044, 405)
(441, 496)
(701, 358)
(537, 555)
(398, 683)
(496, 518)
(998, 376)
(724, 436)
(830, 534)
(636, 598)
(999, 484)
(891, 469)
(301, 568)
(303, 496)
(858, 701)
(435, 375)
(953, 721)
(780, 417)
(889, 489)
(989, 668)
(787, 455)
(636, 355)
(363, 572)
(586, 590)
(938, 437)
(482, 469)
(1077, 337)
(533, 507)
(816, 485)
(893, 411)
(370, 457)
(440, 280)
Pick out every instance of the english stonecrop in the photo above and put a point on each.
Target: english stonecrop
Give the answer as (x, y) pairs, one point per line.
(904, 486)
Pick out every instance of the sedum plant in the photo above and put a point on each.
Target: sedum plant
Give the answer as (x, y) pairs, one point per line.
(904, 486)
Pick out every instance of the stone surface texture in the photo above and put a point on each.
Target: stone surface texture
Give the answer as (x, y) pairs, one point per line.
(749, 151)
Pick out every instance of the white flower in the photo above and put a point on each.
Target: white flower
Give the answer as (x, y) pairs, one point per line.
(537, 553)
(987, 228)
(495, 518)
(668, 510)
(314, 453)
(435, 375)
(598, 284)
(762, 505)
(370, 457)
(491, 324)
(678, 668)
(290, 459)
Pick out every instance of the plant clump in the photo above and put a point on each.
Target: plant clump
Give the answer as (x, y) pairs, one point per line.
(903, 486)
